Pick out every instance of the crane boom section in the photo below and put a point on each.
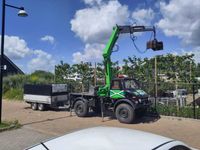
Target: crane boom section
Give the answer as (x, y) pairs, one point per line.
(107, 53)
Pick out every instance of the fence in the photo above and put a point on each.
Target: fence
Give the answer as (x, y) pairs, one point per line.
(174, 99)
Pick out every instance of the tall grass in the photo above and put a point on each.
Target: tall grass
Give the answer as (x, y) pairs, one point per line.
(13, 85)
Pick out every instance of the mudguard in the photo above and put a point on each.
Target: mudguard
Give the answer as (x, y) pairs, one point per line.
(127, 101)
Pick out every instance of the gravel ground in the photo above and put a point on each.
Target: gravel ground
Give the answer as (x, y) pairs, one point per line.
(58, 122)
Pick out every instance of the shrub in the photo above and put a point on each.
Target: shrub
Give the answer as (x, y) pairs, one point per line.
(13, 85)
(14, 94)
(186, 112)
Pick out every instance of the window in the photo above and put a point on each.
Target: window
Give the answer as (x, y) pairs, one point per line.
(131, 84)
(116, 85)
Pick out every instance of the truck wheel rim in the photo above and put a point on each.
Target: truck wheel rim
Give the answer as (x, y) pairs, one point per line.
(79, 109)
(123, 113)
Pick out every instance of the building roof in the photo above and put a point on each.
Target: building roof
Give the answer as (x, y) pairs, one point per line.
(12, 64)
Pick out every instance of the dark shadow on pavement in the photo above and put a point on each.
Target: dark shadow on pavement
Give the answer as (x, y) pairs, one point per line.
(149, 117)
(46, 120)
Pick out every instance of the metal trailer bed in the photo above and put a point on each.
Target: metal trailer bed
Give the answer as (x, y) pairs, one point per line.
(42, 96)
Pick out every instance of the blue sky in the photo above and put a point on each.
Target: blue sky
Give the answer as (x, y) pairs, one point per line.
(77, 30)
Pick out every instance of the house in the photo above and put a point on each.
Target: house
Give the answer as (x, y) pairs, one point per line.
(10, 68)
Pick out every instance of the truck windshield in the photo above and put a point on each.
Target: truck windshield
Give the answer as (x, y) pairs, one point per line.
(130, 84)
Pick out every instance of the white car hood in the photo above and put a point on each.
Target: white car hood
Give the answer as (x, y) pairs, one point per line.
(106, 138)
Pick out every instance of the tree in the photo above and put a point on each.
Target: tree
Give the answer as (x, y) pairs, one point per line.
(40, 76)
(85, 70)
(62, 72)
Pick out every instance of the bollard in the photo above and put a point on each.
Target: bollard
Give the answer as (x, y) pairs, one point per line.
(194, 105)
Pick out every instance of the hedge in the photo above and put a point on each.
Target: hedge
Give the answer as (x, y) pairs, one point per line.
(186, 112)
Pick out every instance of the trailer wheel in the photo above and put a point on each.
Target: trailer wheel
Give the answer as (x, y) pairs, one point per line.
(125, 113)
(81, 109)
(41, 107)
(34, 106)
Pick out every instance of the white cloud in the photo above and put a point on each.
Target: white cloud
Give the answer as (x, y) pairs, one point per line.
(143, 16)
(93, 2)
(15, 47)
(92, 52)
(42, 61)
(94, 24)
(48, 38)
(181, 18)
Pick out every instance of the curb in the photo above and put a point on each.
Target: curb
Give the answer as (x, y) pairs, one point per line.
(7, 128)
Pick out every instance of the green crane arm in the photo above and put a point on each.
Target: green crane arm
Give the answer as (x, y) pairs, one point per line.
(107, 53)
(104, 91)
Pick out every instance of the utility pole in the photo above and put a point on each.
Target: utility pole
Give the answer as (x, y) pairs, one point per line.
(21, 13)
(155, 75)
(176, 86)
(95, 74)
(190, 71)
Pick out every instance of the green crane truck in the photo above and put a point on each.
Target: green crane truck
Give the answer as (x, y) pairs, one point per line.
(120, 95)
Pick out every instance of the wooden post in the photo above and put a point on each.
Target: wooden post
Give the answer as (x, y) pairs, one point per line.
(155, 75)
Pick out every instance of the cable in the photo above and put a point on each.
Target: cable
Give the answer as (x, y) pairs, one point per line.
(116, 45)
(151, 36)
(133, 38)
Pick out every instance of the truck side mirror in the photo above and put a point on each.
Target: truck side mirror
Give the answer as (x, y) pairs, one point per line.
(155, 45)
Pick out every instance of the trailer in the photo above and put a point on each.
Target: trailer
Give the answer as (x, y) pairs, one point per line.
(44, 96)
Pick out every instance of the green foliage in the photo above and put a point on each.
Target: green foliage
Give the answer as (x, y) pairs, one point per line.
(182, 68)
(186, 112)
(100, 71)
(14, 82)
(62, 71)
(40, 77)
(14, 94)
(13, 85)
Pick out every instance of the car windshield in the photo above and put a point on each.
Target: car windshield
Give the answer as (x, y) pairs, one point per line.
(131, 84)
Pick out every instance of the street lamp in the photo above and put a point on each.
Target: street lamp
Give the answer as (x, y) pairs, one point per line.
(21, 13)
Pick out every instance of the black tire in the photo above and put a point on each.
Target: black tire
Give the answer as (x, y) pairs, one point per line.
(81, 108)
(34, 106)
(41, 107)
(125, 113)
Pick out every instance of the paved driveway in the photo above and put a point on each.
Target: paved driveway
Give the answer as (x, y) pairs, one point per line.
(54, 123)
(21, 138)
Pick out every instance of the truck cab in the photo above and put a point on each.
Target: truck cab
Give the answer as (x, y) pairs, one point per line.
(127, 99)
(126, 88)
